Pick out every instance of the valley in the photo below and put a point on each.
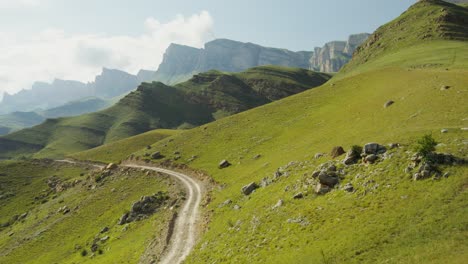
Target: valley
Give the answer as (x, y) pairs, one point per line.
(227, 160)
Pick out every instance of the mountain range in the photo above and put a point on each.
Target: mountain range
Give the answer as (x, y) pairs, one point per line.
(42, 96)
(204, 98)
(369, 166)
(181, 62)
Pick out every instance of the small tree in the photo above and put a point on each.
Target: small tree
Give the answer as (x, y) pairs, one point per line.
(425, 146)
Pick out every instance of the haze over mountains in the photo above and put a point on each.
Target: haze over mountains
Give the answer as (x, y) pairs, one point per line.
(71, 98)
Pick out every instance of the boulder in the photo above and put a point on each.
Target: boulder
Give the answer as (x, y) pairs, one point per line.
(328, 178)
(443, 131)
(249, 188)
(278, 204)
(322, 189)
(123, 219)
(371, 158)
(388, 103)
(224, 164)
(348, 187)
(298, 196)
(104, 239)
(337, 151)
(105, 229)
(157, 155)
(373, 148)
(351, 157)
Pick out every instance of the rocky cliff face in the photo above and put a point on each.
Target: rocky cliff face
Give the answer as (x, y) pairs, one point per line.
(182, 62)
(336, 54)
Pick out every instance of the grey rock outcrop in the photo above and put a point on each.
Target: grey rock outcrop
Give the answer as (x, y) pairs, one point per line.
(334, 55)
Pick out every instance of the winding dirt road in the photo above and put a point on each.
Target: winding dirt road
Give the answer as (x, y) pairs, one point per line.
(183, 237)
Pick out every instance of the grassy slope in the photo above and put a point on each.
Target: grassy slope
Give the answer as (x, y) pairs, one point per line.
(155, 106)
(399, 222)
(46, 236)
(119, 150)
(18, 120)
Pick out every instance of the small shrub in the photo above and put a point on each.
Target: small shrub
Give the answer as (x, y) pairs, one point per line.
(425, 146)
(84, 253)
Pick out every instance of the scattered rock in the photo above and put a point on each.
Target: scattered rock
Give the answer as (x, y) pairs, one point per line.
(443, 131)
(227, 202)
(236, 207)
(265, 182)
(337, 151)
(373, 148)
(249, 188)
(123, 219)
(278, 204)
(298, 196)
(256, 157)
(322, 189)
(352, 156)
(299, 220)
(157, 155)
(22, 216)
(328, 178)
(348, 187)
(111, 166)
(147, 205)
(393, 145)
(105, 229)
(64, 210)
(388, 103)
(104, 239)
(371, 158)
(318, 155)
(444, 87)
(224, 164)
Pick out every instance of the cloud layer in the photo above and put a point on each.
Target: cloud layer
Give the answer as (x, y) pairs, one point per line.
(55, 54)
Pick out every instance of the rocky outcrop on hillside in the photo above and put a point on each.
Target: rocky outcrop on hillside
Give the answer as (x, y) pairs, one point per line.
(334, 55)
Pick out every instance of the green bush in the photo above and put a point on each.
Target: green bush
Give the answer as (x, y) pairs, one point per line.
(425, 146)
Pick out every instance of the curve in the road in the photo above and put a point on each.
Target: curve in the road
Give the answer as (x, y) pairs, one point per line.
(183, 238)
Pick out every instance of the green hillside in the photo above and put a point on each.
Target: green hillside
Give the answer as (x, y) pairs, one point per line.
(18, 120)
(56, 213)
(119, 150)
(204, 98)
(79, 107)
(389, 218)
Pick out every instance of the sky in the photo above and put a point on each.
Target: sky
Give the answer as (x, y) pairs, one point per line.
(41, 40)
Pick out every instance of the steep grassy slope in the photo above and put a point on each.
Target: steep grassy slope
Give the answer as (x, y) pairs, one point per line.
(204, 98)
(425, 22)
(47, 234)
(389, 218)
(119, 150)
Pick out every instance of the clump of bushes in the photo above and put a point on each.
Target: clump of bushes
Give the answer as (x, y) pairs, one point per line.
(425, 146)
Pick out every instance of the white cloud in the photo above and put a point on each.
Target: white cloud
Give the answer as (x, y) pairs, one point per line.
(55, 54)
(19, 3)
